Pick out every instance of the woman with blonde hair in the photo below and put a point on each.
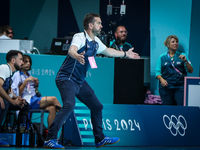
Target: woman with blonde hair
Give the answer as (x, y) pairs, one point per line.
(171, 68)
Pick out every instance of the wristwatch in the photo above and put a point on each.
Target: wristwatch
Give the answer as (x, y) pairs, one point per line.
(124, 54)
(187, 62)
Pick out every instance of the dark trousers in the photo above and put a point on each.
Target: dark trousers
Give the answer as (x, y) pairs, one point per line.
(85, 94)
(171, 96)
(9, 106)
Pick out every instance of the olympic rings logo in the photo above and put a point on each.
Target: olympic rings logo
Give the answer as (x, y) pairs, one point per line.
(175, 125)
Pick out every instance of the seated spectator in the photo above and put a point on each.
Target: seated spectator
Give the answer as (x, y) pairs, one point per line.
(7, 98)
(120, 39)
(28, 86)
(2, 34)
(8, 31)
(119, 43)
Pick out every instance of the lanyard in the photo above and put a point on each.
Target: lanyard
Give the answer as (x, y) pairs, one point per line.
(117, 47)
(92, 45)
(173, 65)
(85, 42)
(9, 69)
(10, 81)
(28, 84)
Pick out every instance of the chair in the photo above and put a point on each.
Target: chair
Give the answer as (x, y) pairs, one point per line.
(41, 111)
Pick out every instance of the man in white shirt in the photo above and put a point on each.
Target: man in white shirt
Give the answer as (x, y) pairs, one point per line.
(7, 98)
(71, 82)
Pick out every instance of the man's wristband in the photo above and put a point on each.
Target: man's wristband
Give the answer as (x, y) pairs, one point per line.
(124, 54)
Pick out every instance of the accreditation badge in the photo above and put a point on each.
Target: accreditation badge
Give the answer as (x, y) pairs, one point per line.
(92, 62)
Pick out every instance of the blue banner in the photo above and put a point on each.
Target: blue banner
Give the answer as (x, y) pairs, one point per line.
(142, 125)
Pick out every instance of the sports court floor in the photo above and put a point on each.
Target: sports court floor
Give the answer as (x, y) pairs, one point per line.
(106, 148)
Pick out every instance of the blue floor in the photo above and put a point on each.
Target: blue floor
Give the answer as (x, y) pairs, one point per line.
(107, 148)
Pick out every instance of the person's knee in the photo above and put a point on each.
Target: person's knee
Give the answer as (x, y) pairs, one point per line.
(26, 108)
(51, 109)
(68, 106)
(98, 108)
(54, 99)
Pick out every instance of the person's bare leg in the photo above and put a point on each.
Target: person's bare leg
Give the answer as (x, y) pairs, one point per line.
(48, 101)
(52, 114)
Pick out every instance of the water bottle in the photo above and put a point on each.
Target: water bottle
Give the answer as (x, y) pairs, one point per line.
(14, 130)
(9, 128)
(27, 131)
(22, 128)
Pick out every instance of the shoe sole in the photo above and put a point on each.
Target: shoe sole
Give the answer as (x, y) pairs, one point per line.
(52, 147)
(107, 144)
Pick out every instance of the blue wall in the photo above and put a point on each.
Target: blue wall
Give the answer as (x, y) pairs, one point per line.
(194, 51)
(175, 17)
(36, 20)
(45, 68)
(70, 15)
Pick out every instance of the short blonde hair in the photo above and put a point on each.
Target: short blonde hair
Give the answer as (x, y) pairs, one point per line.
(168, 39)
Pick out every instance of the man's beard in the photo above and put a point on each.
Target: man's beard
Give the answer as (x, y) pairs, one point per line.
(120, 40)
(96, 32)
(17, 67)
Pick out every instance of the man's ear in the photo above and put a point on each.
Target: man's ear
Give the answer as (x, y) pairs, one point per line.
(116, 35)
(90, 25)
(13, 60)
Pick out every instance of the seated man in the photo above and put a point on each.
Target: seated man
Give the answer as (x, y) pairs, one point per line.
(8, 31)
(7, 98)
(120, 42)
(3, 35)
(28, 85)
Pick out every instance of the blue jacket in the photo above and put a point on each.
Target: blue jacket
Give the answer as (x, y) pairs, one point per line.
(165, 69)
(125, 47)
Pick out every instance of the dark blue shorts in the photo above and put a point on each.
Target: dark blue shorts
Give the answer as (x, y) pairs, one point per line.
(35, 102)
